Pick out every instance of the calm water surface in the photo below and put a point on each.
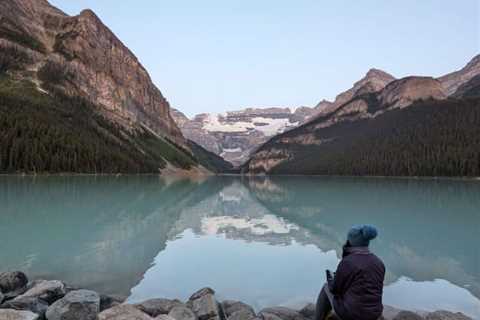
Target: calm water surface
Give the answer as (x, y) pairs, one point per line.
(264, 241)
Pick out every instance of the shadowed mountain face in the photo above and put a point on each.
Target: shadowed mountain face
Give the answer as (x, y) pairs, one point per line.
(100, 67)
(146, 237)
(453, 81)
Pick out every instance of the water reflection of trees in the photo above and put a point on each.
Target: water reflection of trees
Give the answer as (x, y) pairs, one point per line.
(104, 232)
(428, 228)
(100, 232)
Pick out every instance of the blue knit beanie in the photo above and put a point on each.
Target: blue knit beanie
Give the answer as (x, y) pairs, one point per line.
(360, 236)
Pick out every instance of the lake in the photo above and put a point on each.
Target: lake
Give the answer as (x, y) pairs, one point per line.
(265, 241)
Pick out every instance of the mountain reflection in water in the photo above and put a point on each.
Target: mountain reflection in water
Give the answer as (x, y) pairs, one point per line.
(265, 241)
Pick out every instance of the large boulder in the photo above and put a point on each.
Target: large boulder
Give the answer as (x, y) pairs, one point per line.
(283, 313)
(75, 305)
(108, 301)
(205, 307)
(2, 297)
(243, 314)
(389, 312)
(47, 290)
(308, 311)
(201, 293)
(10, 314)
(123, 312)
(182, 313)
(32, 304)
(12, 282)
(407, 315)
(231, 306)
(446, 315)
(268, 316)
(155, 307)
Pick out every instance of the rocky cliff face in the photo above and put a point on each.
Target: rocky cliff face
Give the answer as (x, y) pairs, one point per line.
(470, 89)
(99, 67)
(375, 80)
(236, 134)
(452, 81)
(401, 93)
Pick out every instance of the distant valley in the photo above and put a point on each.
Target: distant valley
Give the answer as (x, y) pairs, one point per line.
(235, 135)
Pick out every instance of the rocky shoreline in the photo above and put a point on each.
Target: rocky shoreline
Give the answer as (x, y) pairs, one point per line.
(21, 299)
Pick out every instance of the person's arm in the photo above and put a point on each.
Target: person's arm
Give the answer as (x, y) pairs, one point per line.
(343, 277)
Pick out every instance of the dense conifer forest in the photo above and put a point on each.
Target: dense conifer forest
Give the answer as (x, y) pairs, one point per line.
(45, 133)
(54, 133)
(429, 138)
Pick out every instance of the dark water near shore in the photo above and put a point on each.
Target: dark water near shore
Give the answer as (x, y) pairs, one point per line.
(263, 241)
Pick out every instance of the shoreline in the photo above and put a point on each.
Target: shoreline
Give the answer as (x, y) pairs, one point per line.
(248, 176)
(21, 299)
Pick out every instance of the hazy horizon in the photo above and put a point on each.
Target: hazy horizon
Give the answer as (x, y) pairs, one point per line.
(215, 56)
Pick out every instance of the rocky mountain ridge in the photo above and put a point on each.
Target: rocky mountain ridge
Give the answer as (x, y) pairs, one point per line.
(452, 81)
(375, 93)
(373, 81)
(367, 102)
(235, 135)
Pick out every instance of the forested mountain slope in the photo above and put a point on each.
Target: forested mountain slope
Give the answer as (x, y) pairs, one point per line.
(409, 128)
(73, 98)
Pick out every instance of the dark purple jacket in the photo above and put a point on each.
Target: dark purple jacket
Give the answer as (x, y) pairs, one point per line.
(358, 285)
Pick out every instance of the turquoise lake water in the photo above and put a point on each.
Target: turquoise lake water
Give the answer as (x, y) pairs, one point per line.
(264, 241)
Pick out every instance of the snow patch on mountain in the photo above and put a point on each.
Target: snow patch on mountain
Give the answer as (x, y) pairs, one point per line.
(268, 126)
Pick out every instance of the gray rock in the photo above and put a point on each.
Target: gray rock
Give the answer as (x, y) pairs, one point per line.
(308, 311)
(107, 301)
(201, 293)
(11, 281)
(182, 313)
(10, 314)
(13, 294)
(2, 297)
(243, 314)
(389, 312)
(205, 307)
(76, 305)
(123, 312)
(407, 315)
(155, 307)
(283, 313)
(47, 290)
(446, 315)
(32, 304)
(164, 317)
(230, 307)
(268, 316)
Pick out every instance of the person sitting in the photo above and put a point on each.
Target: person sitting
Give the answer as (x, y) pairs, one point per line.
(354, 291)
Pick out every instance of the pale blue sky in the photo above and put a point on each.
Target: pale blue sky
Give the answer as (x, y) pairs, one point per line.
(217, 55)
